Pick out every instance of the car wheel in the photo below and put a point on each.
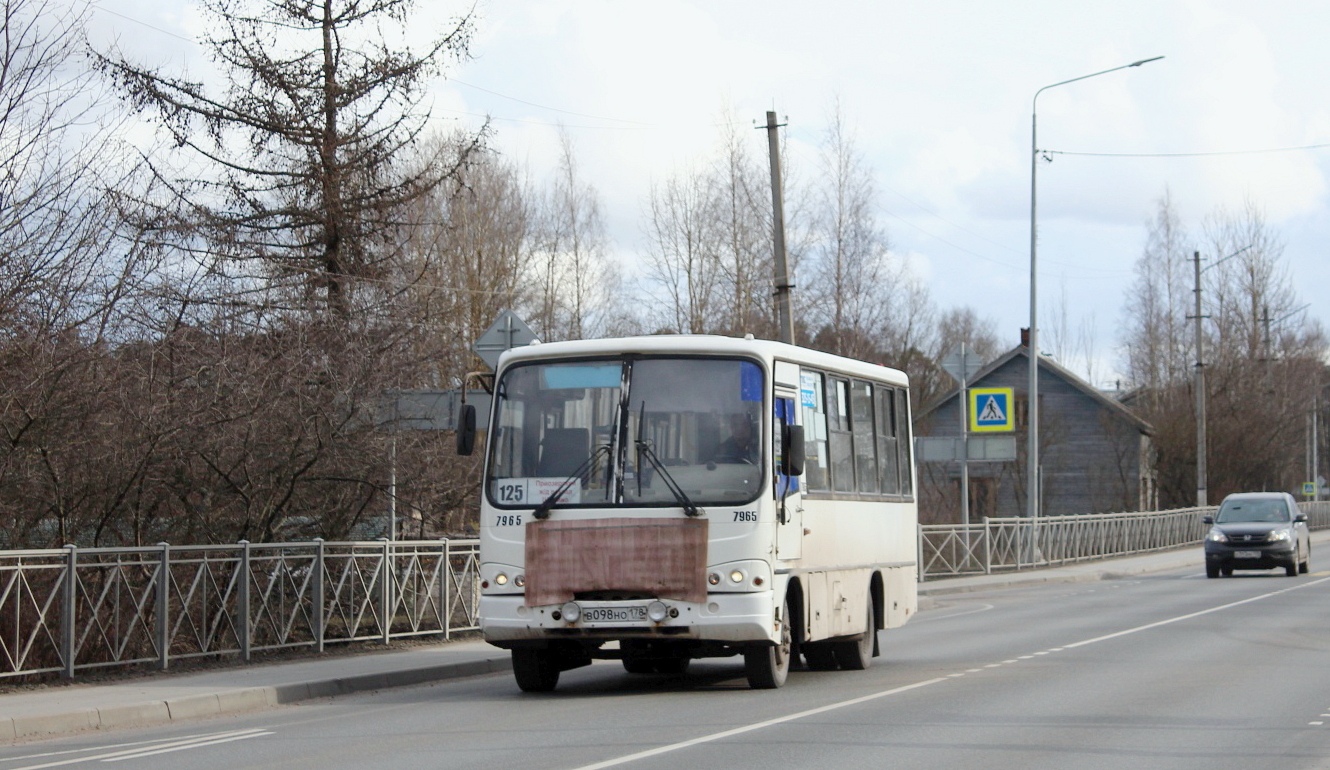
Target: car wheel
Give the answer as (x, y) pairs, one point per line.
(1212, 570)
(1291, 569)
(1305, 565)
(1226, 571)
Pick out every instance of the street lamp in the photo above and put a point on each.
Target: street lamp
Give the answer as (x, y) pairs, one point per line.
(1032, 403)
(1202, 482)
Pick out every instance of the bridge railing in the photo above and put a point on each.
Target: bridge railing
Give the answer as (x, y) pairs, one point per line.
(73, 609)
(1003, 544)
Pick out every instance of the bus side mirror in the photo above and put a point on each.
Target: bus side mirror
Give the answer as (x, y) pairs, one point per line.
(466, 429)
(792, 450)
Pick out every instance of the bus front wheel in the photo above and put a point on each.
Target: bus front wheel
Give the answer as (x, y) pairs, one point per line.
(535, 670)
(767, 665)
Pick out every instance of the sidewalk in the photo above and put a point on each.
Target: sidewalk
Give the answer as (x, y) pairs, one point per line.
(143, 701)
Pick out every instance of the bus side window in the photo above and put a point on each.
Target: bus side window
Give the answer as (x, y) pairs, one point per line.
(887, 456)
(842, 446)
(904, 441)
(861, 425)
(814, 404)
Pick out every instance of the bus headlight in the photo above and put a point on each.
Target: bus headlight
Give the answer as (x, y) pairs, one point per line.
(500, 579)
(571, 612)
(657, 612)
(739, 576)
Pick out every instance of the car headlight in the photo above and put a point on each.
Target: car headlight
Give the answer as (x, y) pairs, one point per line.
(1278, 536)
(1217, 536)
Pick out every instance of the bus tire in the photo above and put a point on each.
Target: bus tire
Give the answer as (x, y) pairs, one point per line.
(857, 654)
(535, 670)
(819, 656)
(767, 665)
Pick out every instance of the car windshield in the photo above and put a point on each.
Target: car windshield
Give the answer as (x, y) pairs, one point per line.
(1240, 511)
(640, 431)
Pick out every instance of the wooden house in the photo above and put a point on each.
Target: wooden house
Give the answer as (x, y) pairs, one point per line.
(1096, 455)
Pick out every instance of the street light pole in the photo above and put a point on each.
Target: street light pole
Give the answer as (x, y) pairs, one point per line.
(1201, 450)
(1032, 400)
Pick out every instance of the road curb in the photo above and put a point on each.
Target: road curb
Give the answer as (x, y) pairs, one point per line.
(237, 701)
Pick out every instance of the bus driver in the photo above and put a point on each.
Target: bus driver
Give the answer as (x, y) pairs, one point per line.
(741, 446)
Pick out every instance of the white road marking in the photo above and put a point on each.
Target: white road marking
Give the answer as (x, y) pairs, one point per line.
(199, 744)
(758, 725)
(906, 688)
(149, 748)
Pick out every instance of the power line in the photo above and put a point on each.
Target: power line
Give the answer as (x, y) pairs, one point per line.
(547, 107)
(1300, 148)
(144, 23)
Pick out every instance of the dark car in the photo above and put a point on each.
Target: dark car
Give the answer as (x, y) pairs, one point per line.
(1257, 530)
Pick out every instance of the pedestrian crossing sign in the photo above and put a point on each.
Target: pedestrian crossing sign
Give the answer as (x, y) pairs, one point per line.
(991, 410)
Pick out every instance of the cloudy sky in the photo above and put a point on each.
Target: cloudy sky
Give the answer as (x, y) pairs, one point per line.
(938, 95)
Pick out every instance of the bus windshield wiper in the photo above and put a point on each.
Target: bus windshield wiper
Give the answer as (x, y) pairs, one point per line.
(644, 450)
(543, 510)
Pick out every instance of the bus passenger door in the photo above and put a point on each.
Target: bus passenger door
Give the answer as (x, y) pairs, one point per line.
(789, 500)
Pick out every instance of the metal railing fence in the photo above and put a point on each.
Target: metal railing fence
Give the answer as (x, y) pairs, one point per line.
(75, 609)
(71, 610)
(1016, 543)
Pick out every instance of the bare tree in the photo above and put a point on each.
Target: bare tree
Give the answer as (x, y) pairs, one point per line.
(306, 139)
(1260, 380)
(851, 277)
(681, 259)
(580, 285)
(1158, 303)
(742, 210)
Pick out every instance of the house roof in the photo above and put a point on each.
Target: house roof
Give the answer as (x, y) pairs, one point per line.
(1046, 364)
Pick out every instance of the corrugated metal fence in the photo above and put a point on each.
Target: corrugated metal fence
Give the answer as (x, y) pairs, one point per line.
(1005, 544)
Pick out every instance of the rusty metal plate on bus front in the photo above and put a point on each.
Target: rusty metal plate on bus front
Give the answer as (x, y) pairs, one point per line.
(665, 558)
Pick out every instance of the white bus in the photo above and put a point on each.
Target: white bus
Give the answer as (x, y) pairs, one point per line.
(625, 516)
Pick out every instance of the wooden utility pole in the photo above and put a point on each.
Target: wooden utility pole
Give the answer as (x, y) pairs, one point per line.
(784, 316)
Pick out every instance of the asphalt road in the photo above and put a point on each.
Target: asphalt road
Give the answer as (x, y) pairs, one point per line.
(1169, 670)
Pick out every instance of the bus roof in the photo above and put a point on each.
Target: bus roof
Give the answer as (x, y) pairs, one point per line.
(701, 344)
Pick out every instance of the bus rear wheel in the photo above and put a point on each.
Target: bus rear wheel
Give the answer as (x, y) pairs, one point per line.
(857, 654)
(535, 670)
(767, 665)
(819, 656)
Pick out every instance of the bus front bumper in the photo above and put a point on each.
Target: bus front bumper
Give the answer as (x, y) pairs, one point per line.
(727, 617)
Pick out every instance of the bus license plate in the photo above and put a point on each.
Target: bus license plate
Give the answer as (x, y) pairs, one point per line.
(1246, 554)
(613, 614)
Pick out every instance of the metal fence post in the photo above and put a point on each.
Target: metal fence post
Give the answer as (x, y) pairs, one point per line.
(919, 549)
(446, 575)
(386, 591)
(69, 613)
(243, 610)
(318, 595)
(163, 608)
(988, 547)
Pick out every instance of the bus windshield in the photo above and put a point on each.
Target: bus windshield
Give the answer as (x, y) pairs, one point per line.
(627, 429)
